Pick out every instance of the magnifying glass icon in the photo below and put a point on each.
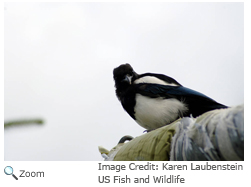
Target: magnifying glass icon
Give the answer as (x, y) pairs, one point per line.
(8, 170)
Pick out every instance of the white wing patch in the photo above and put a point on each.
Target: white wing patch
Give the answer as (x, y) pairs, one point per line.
(152, 80)
(152, 113)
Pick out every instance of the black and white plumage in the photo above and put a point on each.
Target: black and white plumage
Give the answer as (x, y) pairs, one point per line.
(154, 100)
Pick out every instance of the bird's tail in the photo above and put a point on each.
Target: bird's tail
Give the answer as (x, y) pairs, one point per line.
(202, 108)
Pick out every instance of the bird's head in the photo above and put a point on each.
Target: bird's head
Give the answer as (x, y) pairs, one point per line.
(124, 75)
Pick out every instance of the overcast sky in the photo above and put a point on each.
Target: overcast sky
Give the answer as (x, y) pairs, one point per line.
(59, 59)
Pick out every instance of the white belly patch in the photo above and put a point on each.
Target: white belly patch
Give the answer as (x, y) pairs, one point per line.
(152, 113)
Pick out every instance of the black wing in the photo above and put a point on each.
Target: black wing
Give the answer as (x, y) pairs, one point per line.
(197, 102)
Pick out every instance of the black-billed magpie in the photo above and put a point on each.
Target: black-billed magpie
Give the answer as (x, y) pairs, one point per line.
(155, 100)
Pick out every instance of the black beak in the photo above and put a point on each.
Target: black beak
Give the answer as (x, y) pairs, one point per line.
(127, 79)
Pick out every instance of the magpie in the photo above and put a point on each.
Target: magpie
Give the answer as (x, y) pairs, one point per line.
(155, 100)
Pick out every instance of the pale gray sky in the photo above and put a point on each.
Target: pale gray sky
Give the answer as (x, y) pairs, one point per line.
(59, 59)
